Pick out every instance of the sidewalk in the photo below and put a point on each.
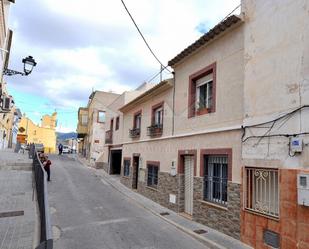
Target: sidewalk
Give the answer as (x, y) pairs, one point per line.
(17, 210)
(212, 238)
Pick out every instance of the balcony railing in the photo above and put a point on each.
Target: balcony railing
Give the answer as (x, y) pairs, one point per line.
(136, 132)
(155, 130)
(109, 137)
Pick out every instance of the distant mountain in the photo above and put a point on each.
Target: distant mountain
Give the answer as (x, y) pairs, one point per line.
(64, 136)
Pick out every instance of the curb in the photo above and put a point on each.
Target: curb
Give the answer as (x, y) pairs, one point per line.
(205, 241)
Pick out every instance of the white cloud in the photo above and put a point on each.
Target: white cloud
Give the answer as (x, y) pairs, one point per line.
(98, 46)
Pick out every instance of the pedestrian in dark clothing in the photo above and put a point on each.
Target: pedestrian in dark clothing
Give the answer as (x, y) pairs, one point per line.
(60, 148)
(46, 165)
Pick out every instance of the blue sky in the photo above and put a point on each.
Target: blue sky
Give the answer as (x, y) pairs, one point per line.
(80, 47)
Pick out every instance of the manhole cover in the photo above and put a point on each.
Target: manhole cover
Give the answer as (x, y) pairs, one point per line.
(164, 213)
(200, 231)
(11, 214)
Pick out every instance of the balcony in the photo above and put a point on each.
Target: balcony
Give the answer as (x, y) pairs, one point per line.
(134, 133)
(155, 130)
(109, 137)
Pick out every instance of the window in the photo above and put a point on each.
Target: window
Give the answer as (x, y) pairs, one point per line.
(152, 177)
(126, 167)
(84, 119)
(202, 91)
(117, 124)
(215, 178)
(158, 116)
(262, 191)
(137, 121)
(112, 124)
(101, 117)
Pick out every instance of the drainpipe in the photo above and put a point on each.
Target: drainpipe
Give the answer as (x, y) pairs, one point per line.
(173, 119)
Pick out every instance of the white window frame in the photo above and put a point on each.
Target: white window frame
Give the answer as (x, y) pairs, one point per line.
(262, 191)
(207, 80)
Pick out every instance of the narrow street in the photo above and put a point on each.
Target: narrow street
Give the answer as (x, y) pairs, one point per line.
(88, 213)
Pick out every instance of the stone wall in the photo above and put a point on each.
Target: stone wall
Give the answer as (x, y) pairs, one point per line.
(105, 167)
(224, 219)
(127, 180)
(166, 185)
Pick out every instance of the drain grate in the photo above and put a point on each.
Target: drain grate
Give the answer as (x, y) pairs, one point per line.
(11, 214)
(164, 213)
(200, 231)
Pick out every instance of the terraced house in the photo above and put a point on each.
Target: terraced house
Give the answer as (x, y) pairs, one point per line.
(181, 139)
(225, 141)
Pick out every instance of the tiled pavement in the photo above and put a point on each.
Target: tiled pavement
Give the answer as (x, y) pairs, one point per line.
(16, 232)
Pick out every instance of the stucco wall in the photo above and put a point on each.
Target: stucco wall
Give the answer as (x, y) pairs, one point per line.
(146, 108)
(166, 150)
(276, 80)
(227, 52)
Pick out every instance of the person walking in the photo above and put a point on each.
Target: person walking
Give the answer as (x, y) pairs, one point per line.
(46, 165)
(60, 148)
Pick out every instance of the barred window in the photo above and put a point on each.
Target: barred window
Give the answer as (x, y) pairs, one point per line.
(262, 191)
(215, 179)
(126, 167)
(152, 179)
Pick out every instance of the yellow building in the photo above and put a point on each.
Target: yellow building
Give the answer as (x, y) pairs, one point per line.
(45, 134)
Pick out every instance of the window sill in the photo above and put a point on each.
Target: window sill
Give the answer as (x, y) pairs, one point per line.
(213, 205)
(261, 214)
(126, 177)
(152, 188)
(204, 111)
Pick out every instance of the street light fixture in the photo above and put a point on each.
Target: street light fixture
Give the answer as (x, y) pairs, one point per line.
(29, 64)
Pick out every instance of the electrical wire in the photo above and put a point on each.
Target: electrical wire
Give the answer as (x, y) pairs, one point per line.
(141, 34)
(266, 134)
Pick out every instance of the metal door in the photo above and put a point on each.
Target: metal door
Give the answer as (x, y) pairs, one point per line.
(189, 171)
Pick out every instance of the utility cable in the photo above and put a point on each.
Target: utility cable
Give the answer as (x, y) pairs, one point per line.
(139, 31)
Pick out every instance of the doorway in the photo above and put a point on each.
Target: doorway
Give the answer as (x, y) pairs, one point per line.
(115, 162)
(135, 172)
(189, 173)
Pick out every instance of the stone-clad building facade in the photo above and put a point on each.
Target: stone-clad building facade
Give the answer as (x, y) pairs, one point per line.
(215, 142)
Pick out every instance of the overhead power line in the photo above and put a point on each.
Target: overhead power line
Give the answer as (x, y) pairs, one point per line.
(139, 31)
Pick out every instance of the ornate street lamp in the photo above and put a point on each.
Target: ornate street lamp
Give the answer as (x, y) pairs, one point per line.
(29, 64)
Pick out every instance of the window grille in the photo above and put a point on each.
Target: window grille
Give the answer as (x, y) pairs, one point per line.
(215, 179)
(262, 191)
(126, 167)
(152, 179)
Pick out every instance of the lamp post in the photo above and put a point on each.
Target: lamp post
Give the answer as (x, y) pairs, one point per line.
(29, 64)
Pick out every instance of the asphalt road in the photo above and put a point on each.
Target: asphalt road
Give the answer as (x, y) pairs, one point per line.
(90, 214)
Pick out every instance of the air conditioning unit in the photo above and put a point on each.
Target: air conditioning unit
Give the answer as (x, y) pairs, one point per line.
(7, 103)
(303, 189)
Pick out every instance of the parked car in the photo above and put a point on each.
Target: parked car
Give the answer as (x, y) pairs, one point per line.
(66, 149)
(39, 147)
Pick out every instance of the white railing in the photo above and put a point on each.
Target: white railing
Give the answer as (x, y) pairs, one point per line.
(262, 191)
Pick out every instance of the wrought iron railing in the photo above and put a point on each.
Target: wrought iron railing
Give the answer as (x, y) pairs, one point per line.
(40, 182)
(109, 137)
(155, 130)
(136, 132)
(262, 191)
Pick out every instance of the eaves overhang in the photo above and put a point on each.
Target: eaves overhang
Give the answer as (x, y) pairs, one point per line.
(222, 27)
(157, 89)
